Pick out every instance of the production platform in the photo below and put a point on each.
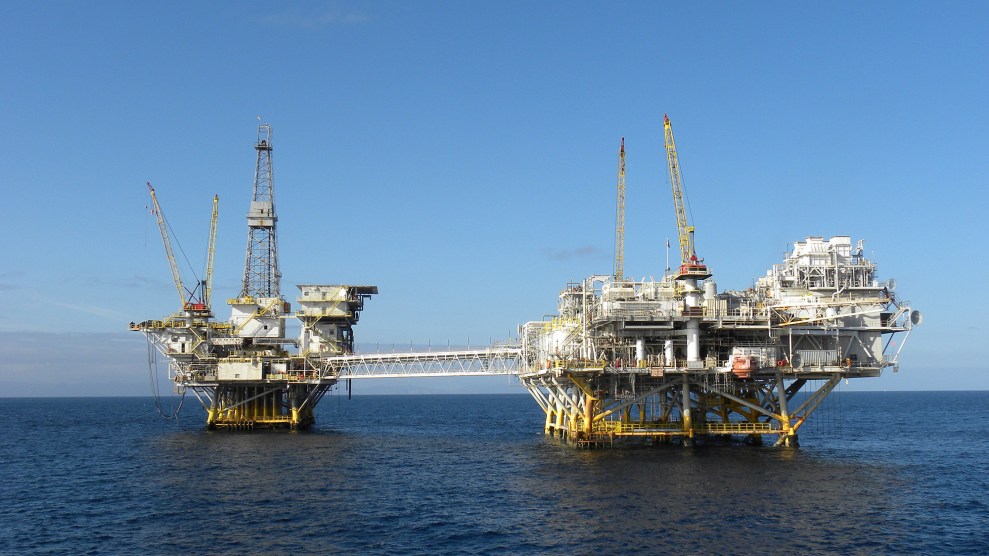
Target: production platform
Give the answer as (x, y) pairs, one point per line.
(624, 361)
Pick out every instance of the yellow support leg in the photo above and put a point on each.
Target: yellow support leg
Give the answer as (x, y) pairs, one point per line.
(688, 426)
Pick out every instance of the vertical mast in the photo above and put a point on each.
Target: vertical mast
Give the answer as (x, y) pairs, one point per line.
(620, 217)
(261, 275)
(210, 251)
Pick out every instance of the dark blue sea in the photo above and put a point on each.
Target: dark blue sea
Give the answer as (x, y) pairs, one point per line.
(877, 473)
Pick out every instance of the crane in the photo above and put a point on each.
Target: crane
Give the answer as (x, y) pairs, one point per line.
(188, 299)
(620, 218)
(690, 265)
(210, 249)
(163, 228)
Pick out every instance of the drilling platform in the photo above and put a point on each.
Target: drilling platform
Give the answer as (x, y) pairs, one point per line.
(624, 361)
(245, 371)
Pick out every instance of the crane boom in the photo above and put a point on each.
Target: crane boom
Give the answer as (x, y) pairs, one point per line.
(690, 265)
(620, 217)
(208, 287)
(163, 228)
(684, 229)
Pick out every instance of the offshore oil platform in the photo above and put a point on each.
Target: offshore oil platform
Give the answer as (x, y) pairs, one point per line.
(676, 360)
(241, 370)
(624, 362)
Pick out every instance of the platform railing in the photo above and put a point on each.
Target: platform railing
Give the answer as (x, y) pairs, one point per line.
(741, 427)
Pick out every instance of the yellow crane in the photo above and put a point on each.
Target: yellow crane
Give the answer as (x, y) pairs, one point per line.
(620, 218)
(690, 265)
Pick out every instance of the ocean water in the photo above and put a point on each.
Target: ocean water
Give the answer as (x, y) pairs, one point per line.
(878, 473)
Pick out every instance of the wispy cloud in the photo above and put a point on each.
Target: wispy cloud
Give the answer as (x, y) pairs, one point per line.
(8, 279)
(585, 252)
(135, 281)
(93, 310)
(311, 18)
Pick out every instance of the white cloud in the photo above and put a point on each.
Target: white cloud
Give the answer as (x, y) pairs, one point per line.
(101, 312)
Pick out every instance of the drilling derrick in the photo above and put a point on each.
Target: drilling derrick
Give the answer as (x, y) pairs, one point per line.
(261, 276)
(258, 311)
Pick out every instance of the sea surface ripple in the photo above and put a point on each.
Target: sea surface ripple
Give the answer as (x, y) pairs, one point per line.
(880, 473)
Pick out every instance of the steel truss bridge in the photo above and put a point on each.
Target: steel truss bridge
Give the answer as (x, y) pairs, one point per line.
(478, 362)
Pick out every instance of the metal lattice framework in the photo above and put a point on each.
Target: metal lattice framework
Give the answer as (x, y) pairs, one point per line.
(479, 362)
(600, 408)
(261, 275)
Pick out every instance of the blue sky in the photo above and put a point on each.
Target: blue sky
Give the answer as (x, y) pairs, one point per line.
(462, 156)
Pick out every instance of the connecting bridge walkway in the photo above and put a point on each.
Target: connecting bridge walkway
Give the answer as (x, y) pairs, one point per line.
(488, 361)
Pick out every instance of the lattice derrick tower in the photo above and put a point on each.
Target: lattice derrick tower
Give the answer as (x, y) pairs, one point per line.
(261, 275)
